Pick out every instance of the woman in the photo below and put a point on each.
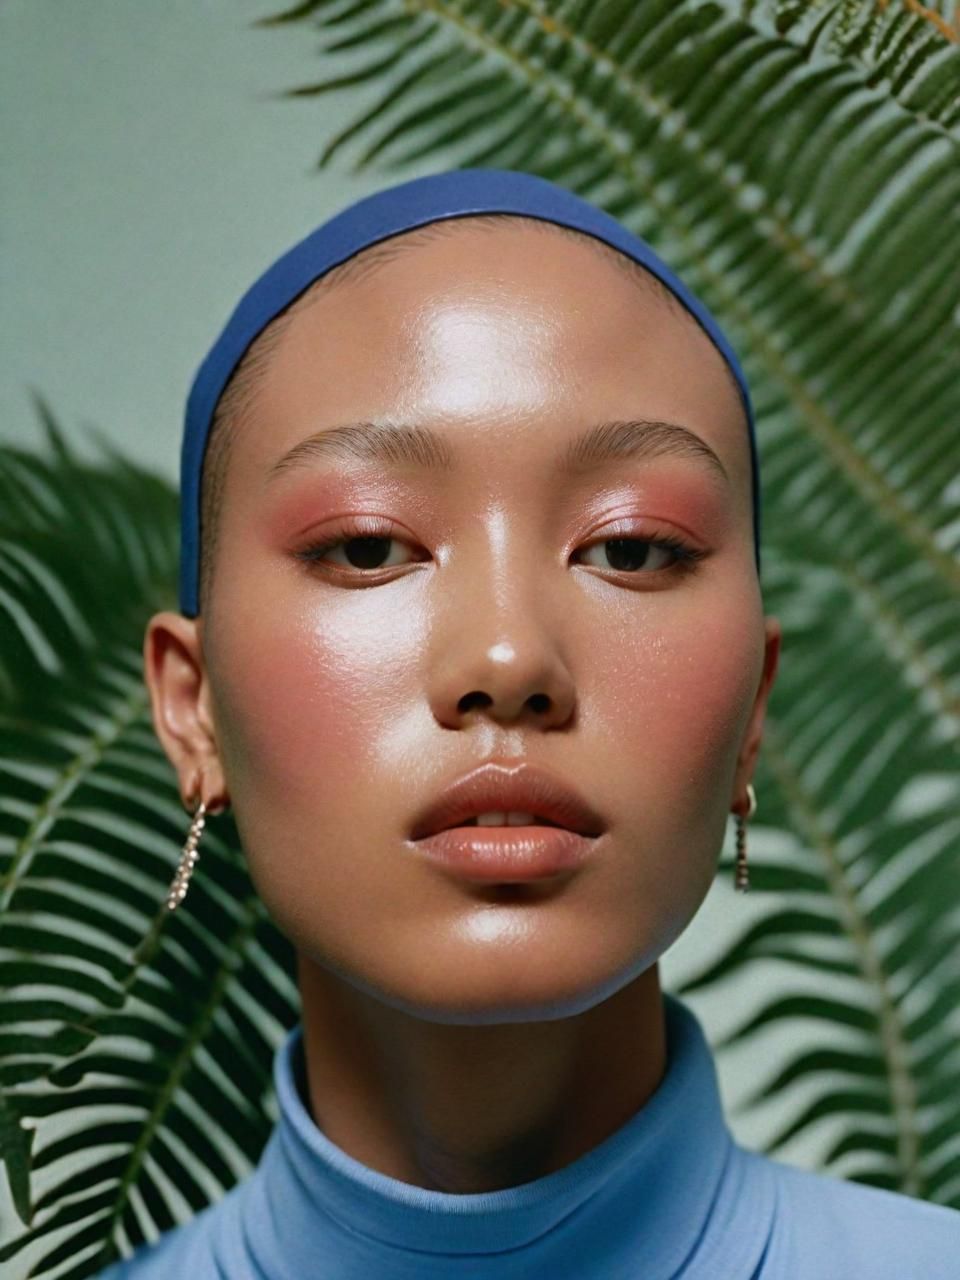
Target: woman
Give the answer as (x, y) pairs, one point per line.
(477, 484)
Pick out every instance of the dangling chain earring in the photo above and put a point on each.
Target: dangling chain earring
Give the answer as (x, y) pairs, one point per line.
(742, 881)
(188, 859)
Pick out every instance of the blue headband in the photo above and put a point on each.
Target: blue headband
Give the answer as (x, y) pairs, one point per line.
(388, 213)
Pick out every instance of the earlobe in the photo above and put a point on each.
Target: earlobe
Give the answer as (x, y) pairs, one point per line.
(175, 674)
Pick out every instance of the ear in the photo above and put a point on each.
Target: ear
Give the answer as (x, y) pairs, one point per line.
(747, 759)
(175, 674)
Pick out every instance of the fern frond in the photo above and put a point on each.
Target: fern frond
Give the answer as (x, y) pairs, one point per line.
(123, 1028)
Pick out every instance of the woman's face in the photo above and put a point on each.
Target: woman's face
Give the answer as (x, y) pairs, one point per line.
(498, 627)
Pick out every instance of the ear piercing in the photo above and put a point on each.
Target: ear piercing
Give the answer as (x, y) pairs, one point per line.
(742, 880)
(188, 859)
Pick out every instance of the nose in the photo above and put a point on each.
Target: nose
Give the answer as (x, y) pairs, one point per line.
(508, 683)
(498, 643)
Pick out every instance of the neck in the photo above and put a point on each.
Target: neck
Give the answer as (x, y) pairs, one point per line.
(468, 1109)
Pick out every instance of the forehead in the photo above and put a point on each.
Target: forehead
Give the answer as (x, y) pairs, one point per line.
(479, 330)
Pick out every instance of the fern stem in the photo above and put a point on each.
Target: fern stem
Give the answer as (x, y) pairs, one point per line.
(766, 216)
(888, 623)
(936, 20)
(76, 769)
(197, 1029)
(896, 1054)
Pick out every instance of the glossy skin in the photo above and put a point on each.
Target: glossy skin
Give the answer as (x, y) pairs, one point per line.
(455, 1040)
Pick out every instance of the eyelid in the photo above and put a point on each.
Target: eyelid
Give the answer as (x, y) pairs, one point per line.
(345, 530)
(644, 528)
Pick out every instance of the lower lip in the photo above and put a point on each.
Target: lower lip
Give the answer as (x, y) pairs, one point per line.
(507, 855)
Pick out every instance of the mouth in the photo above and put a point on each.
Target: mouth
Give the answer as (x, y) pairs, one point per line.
(500, 797)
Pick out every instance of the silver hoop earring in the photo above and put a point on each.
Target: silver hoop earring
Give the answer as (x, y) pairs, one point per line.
(742, 881)
(188, 859)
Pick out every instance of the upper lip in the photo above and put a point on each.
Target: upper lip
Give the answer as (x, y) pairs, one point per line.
(525, 788)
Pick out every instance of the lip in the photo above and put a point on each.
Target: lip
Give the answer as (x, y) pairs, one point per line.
(507, 855)
(525, 788)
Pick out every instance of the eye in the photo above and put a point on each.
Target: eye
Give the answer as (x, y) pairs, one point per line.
(365, 545)
(657, 553)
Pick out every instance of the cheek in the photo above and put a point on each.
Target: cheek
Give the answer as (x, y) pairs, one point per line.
(680, 719)
(678, 702)
(698, 686)
(302, 705)
(678, 683)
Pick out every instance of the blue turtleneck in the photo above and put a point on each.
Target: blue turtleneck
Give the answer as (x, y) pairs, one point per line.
(667, 1196)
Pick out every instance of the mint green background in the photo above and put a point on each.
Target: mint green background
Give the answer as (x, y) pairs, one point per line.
(146, 178)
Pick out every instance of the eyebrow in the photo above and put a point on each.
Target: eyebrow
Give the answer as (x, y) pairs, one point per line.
(402, 444)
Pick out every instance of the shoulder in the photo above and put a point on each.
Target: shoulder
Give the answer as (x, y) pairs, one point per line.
(827, 1226)
(196, 1248)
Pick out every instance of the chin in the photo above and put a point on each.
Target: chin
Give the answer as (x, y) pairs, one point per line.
(511, 992)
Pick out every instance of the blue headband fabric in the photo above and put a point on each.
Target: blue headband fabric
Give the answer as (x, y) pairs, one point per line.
(386, 213)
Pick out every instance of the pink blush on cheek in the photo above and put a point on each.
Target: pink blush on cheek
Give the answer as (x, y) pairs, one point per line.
(689, 699)
(718, 690)
(291, 715)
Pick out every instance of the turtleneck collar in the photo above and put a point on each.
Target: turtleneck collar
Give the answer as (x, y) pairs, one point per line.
(668, 1193)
